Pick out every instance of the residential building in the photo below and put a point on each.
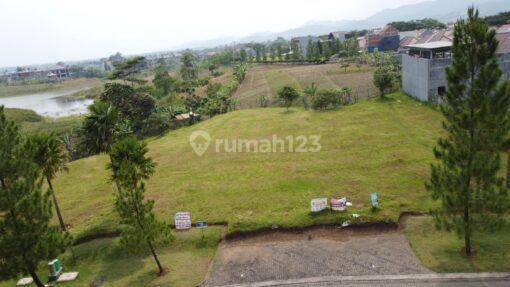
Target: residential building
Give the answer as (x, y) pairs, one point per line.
(424, 66)
(385, 39)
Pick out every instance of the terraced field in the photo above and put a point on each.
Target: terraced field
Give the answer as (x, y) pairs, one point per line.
(265, 80)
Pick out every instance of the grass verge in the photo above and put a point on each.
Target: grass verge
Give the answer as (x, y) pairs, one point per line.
(187, 259)
(440, 251)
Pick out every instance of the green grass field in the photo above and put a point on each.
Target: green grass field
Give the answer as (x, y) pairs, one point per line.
(21, 115)
(441, 251)
(268, 79)
(31, 122)
(187, 260)
(374, 146)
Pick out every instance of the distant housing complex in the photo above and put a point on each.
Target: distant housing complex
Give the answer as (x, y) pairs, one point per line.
(427, 56)
(57, 73)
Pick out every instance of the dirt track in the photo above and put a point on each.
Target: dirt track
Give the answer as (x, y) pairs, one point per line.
(313, 253)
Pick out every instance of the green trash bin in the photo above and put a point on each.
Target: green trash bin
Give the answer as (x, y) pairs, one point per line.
(55, 269)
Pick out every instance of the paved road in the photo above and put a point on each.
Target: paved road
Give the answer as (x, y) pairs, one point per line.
(314, 253)
(417, 280)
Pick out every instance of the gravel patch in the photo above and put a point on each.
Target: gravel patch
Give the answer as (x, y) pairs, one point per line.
(313, 253)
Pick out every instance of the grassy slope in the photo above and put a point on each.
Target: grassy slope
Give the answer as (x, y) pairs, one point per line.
(267, 79)
(440, 250)
(187, 258)
(31, 122)
(22, 115)
(15, 90)
(373, 146)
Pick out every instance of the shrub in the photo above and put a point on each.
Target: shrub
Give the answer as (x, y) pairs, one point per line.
(287, 96)
(327, 99)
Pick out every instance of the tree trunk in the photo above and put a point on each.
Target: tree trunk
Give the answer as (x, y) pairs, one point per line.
(155, 256)
(508, 169)
(55, 202)
(37, 281)
(467, 232)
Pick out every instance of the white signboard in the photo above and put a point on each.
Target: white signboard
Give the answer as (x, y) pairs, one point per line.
(339, 204)
(182, 220)
(319, 204)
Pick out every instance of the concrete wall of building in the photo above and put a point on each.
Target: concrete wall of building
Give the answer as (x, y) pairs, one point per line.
(421, 78)
(415, 77)
(504, 63)
(437, 77)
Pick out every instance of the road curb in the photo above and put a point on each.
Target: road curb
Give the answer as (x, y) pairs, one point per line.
(430, 277)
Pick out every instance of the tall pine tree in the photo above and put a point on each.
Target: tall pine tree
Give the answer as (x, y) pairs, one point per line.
(26, 235)
(130, 166)
(475, 109)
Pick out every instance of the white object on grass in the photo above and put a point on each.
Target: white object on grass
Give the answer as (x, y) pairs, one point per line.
(25, 281)
(66, 277)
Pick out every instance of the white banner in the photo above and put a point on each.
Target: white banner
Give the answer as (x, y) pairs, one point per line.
(319, 204)
(182, 220)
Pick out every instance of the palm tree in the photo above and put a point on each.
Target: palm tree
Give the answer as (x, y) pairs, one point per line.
(100, 127)
(46, 151)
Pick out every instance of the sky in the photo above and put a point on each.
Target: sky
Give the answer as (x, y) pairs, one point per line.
(48, 31)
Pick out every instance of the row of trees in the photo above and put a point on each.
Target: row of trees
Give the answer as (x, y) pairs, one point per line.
(318, 50)
(426, 23)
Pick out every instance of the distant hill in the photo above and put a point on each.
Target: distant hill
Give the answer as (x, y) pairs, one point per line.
(442, 10)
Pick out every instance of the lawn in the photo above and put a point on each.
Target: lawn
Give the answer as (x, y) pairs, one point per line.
(374, 146)
(31, 122)
(268, 79)
(441, 251)
(187, 259)
(17, 90)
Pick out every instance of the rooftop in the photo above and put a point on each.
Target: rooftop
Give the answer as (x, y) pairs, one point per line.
(439, 45)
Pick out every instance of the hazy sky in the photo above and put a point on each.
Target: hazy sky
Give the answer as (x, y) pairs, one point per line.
(44, 31)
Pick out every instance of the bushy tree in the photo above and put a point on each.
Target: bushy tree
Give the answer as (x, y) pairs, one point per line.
(46, 151)
(383, 80)
(133, 107)
(287, 96)
(327, 99)
(476, 113)
(163, 81)
(27, 237)
(130, 166)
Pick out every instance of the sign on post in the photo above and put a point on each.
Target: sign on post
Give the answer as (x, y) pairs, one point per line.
(339, 204)
(201, 224)
(319, 204)
(374, 199)
(182, 220)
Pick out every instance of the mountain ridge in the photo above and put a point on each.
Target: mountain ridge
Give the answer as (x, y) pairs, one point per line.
(444, 11)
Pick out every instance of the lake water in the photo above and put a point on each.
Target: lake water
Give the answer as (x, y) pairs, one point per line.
(50, 104)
